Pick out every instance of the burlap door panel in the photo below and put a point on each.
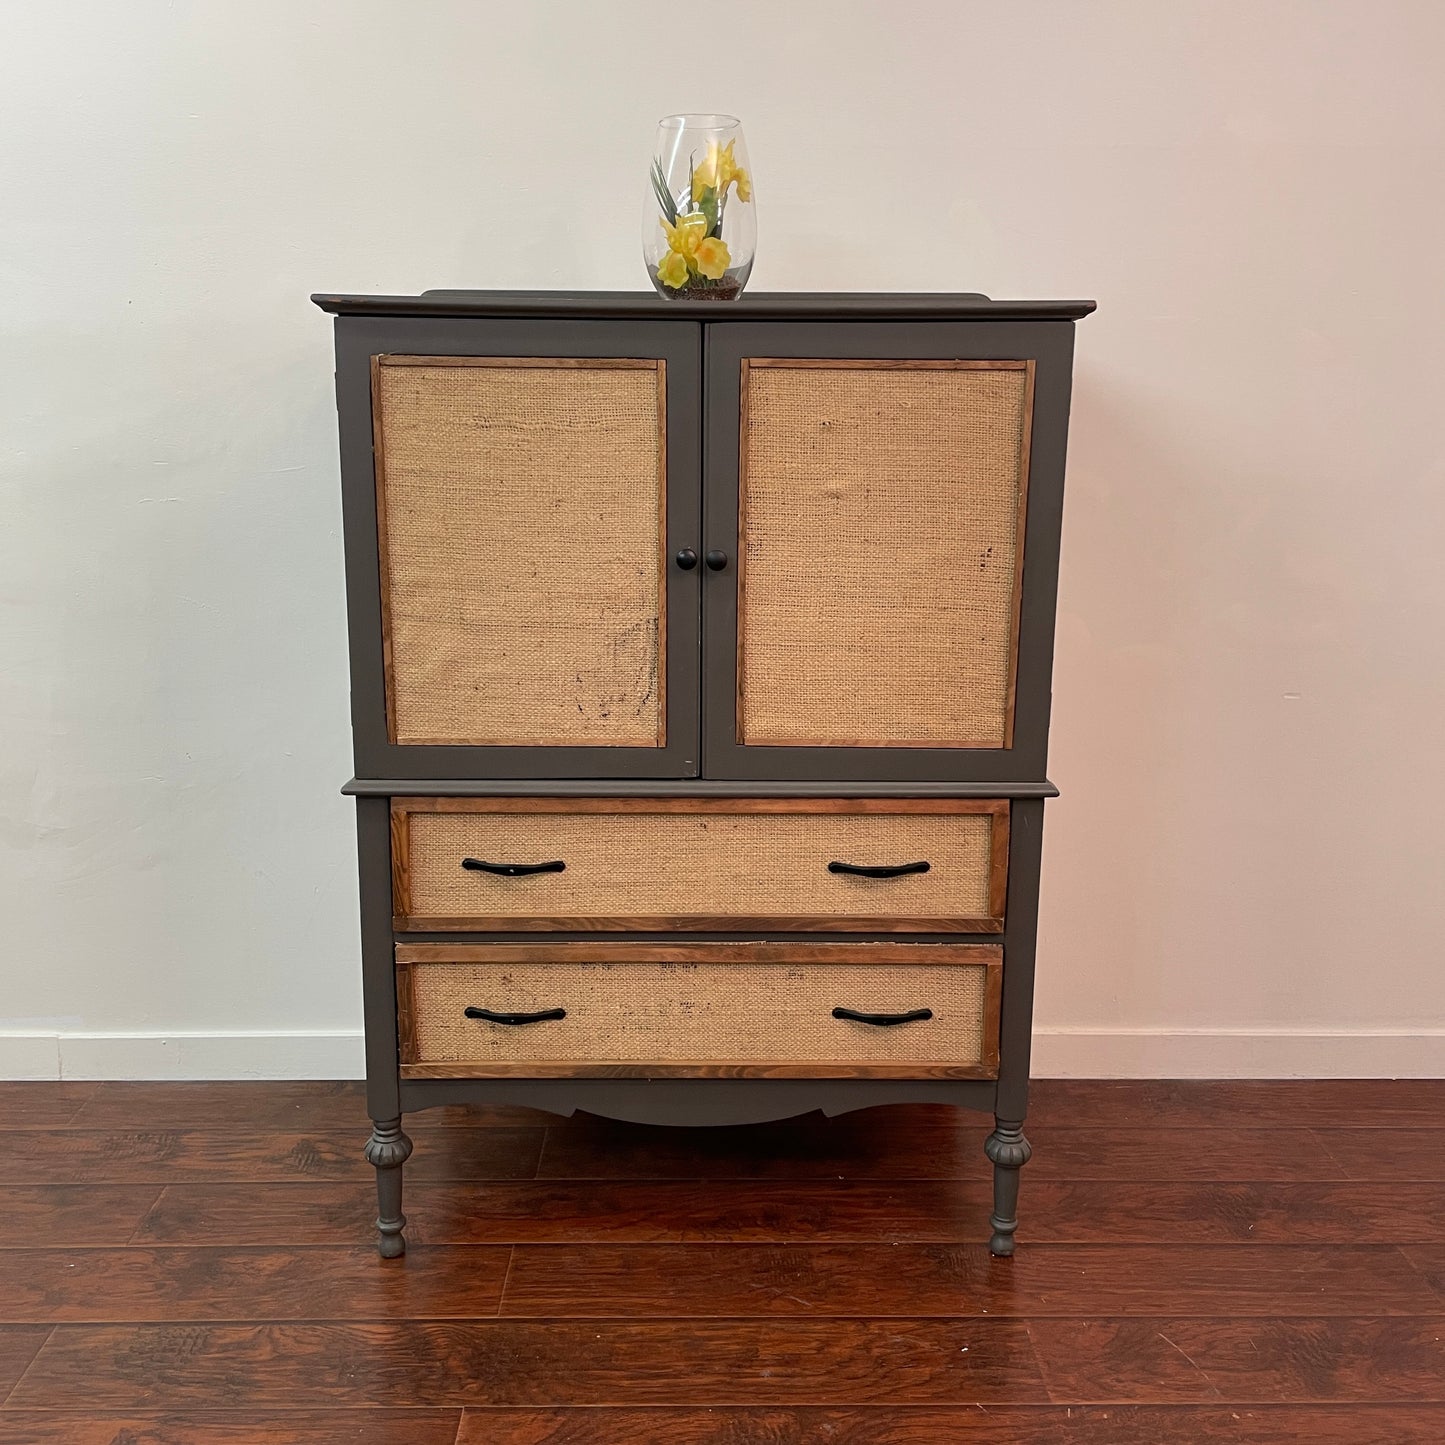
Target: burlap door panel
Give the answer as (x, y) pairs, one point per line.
(521, 513)
(881, 535)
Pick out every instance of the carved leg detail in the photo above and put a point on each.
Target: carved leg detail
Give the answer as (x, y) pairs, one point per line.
(387, 1150)
(1008, 1151)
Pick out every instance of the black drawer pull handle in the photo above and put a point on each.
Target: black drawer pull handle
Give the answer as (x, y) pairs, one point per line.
(492, 1017)
(883, 1021)
(881, 870)
(513, 870)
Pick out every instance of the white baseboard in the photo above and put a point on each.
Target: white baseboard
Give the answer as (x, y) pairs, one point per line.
(273, 1055)
(1058, 1054)
(29, 1056)
(1238, 1054)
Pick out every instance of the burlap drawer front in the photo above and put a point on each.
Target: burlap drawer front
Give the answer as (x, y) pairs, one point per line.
(707, 869)
(718, 1016)
(881, 537)
(491, 475)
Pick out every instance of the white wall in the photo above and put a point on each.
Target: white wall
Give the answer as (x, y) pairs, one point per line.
(1244, 874)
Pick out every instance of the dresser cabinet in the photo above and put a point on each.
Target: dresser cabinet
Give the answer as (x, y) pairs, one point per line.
(700, 665)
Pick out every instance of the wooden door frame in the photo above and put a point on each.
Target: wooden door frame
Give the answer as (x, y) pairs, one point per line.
(678, 345)
(1049, 346)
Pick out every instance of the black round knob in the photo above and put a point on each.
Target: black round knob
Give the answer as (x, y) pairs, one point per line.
(717, 560)
(686, 559)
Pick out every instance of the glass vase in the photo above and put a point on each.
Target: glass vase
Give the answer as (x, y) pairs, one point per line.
(699, 228)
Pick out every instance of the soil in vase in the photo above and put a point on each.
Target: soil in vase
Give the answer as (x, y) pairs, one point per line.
(728, 287)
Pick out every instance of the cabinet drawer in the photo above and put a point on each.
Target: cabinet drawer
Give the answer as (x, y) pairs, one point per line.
(701, 863)
(715, 1010)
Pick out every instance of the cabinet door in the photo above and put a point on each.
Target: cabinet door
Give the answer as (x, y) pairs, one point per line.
(890, 498)
(529, 486)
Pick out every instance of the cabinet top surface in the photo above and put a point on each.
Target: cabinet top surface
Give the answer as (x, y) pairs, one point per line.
(757, 305)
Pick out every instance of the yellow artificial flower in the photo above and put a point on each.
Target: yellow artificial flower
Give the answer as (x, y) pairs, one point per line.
(690, 248)
(718, 171)
(712, 257)
(705, 176)
(683, 238)
(672, 270)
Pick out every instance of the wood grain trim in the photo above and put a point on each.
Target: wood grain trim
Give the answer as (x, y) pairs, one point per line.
(883, 364)
(884, 806)
(405, 1015)
(662, 557)
(693, 923)
(943, 744)
(563, 363)
(400, 863)
(992, 1016)
(922, 954)
(522, 743)
(586, 363)
(383, 552)
(998, 865)
(983, 1070)
(740, 582)
(1020, 532)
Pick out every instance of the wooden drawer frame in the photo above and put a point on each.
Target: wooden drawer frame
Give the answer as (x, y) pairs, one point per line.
(989, 955)
(997, 809)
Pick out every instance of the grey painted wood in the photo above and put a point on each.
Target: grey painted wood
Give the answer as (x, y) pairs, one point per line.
(690, 788)
(1050, 346)
(697, 1101)
(702, 349)
(678, 343)
(1008, 1151)
(647, 305)
(378, 984)
(387, 1150)
(1020, 940)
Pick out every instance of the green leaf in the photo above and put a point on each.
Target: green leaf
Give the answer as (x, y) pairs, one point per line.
(664, 196)
(708, 206)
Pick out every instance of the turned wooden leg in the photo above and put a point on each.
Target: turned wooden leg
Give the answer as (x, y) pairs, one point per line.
(387, 1150)
(1008, 1151)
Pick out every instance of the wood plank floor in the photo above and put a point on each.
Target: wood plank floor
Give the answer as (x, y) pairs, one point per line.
(191, 1264)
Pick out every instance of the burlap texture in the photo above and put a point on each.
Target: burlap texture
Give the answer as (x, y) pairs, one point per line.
(879, 546)
(674, 1013)
(522, 516)
(621, 864)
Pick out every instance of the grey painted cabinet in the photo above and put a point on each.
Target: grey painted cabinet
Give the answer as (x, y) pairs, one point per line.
(700, 690)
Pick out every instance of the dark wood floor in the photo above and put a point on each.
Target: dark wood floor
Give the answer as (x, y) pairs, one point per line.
(192, 1264)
